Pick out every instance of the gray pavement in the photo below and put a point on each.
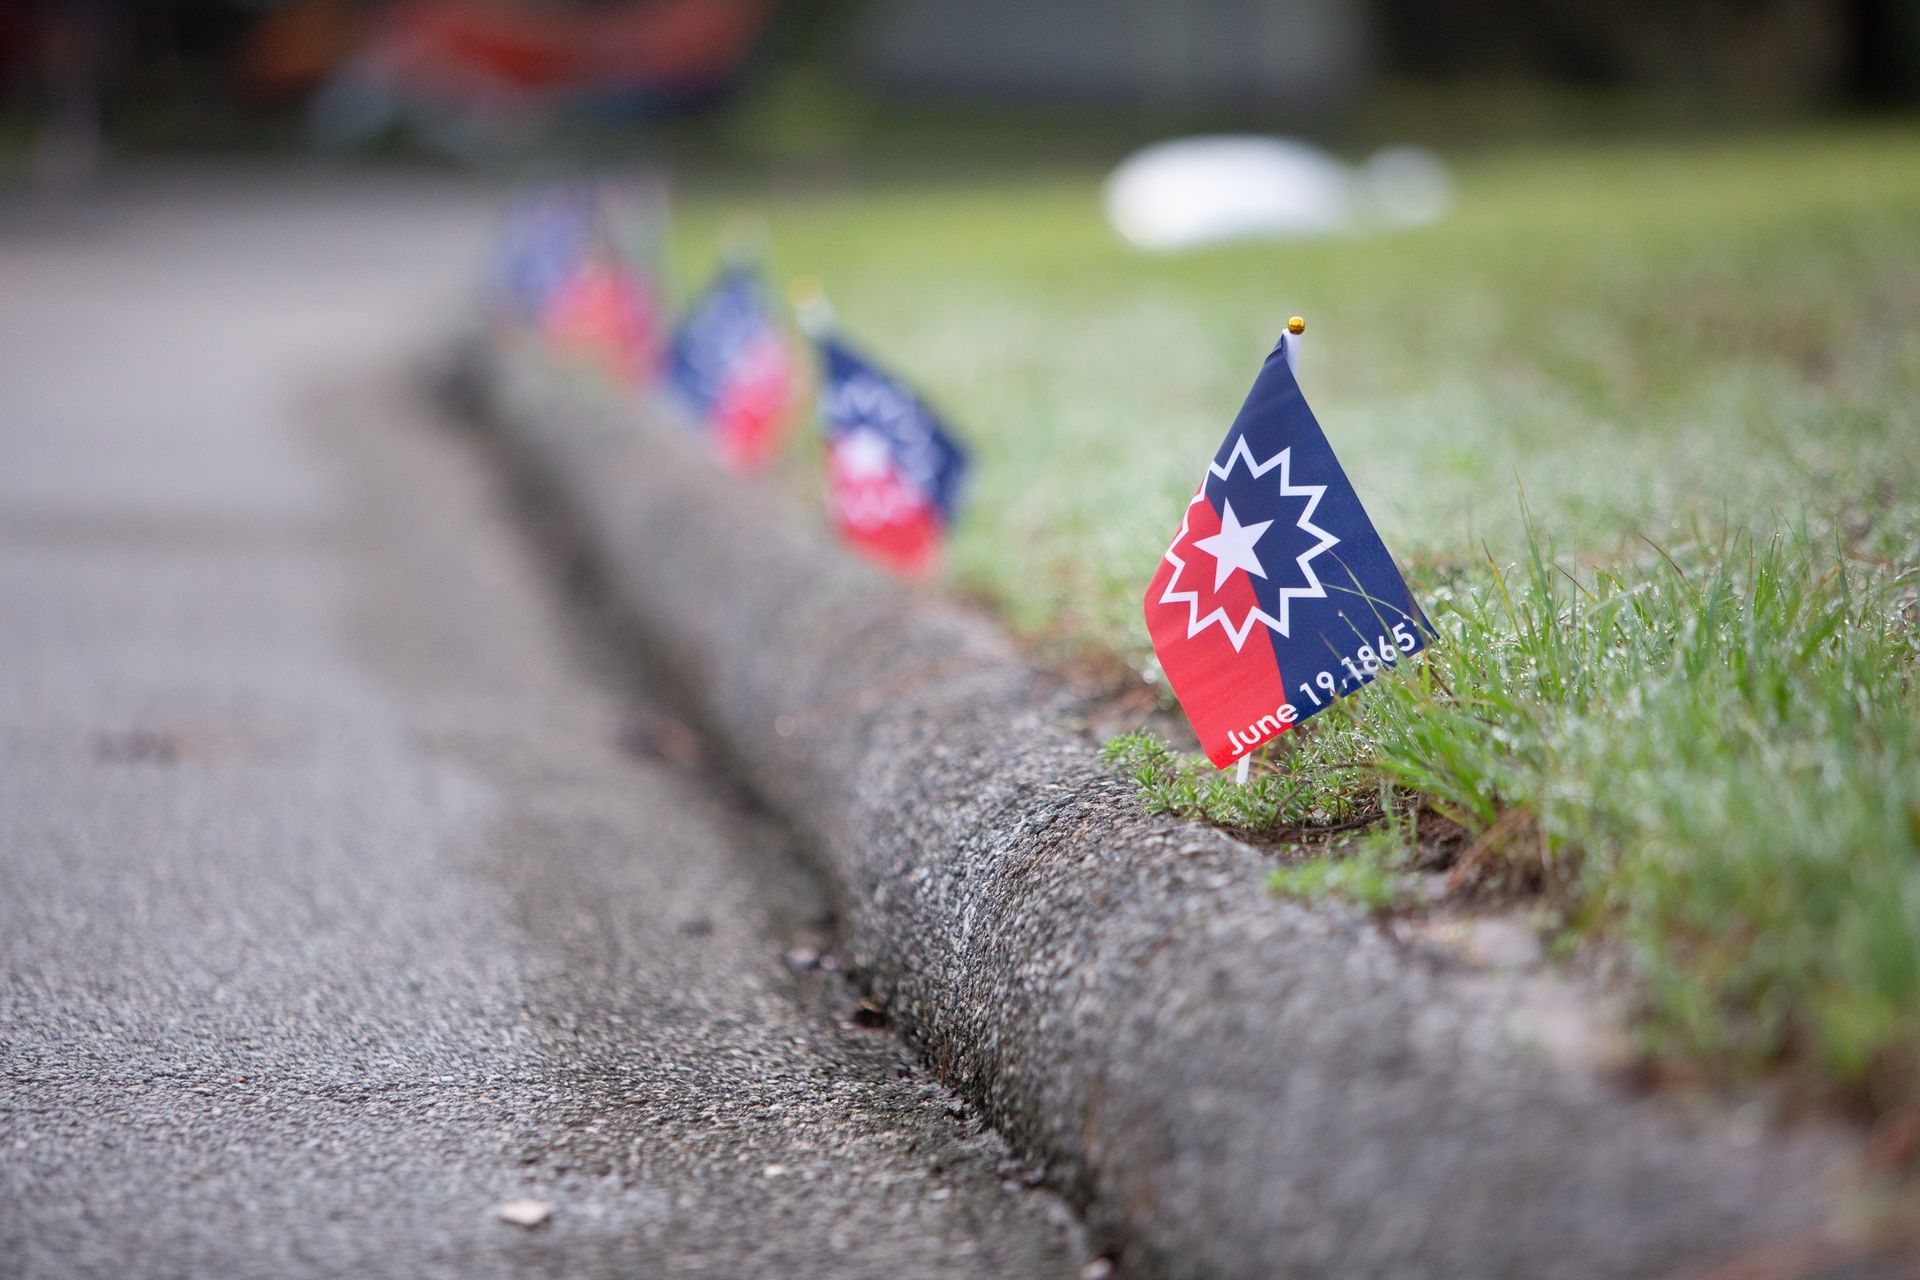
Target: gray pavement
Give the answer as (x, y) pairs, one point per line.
(344, 895)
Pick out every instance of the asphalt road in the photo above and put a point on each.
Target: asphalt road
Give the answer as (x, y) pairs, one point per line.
(346, 891)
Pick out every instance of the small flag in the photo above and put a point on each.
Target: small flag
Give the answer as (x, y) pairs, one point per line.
(547, 235)
(894, 474)
(730, 364)
(1277, 596)
(606, 314)
(566, 271)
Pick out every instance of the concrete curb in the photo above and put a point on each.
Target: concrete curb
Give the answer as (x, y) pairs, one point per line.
(1229, 1085)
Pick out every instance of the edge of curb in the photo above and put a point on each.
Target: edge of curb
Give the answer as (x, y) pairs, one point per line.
(1225, 1084)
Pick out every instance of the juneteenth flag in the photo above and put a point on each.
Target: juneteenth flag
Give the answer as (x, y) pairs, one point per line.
(564, 273)
(1277, 596)
(731, 366)
(894, 473)
(606, 314)
(547, 235)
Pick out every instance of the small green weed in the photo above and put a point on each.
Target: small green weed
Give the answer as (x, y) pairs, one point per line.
(1371, 872)
(1312, 799)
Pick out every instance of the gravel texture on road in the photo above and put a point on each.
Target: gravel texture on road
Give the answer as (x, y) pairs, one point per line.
(1230, 1085)
(356, 918)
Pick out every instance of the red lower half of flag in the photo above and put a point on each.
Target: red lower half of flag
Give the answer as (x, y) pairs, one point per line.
(910, 548)
(885, 521)
(751, 410)
(607, 318)
(1234, 696)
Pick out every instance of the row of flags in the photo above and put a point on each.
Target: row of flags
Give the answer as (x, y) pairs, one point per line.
(577, 264)
(1275, 598)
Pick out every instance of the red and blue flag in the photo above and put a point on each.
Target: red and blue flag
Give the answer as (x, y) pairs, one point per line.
(894, 472)
(731, 366)
(607, 315)
(1277, 596)
(563, 272)
(547, 235)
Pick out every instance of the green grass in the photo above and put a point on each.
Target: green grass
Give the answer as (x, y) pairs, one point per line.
(1675, 686)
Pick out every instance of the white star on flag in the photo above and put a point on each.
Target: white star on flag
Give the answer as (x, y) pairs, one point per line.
(864, 455)
(1232, 547)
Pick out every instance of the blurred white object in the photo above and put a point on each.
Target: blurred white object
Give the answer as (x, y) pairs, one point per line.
(1198, 191)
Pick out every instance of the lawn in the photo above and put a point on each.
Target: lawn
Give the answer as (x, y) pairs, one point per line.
(1642, 422)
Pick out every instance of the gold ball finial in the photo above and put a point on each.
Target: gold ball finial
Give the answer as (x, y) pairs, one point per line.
(810, 306)
(1296, 326)
(807, 291)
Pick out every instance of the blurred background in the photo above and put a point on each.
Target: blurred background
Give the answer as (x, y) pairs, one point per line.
(490, 82)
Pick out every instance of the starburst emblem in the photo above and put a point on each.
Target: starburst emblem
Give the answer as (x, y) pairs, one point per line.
(1233, 549)
(864, 454)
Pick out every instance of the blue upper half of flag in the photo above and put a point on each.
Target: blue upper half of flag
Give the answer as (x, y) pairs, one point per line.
(724, 325)
(548, 235)
(857, 396)
(1329, 597)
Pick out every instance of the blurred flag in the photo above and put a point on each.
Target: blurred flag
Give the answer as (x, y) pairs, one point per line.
(606, 314)
(730, 364)
(546, 236)
(894, 474)
(1277, 596)
(566, 269)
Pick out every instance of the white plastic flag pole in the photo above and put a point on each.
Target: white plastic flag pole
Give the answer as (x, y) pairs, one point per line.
(810, 307)
(1295, 327)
